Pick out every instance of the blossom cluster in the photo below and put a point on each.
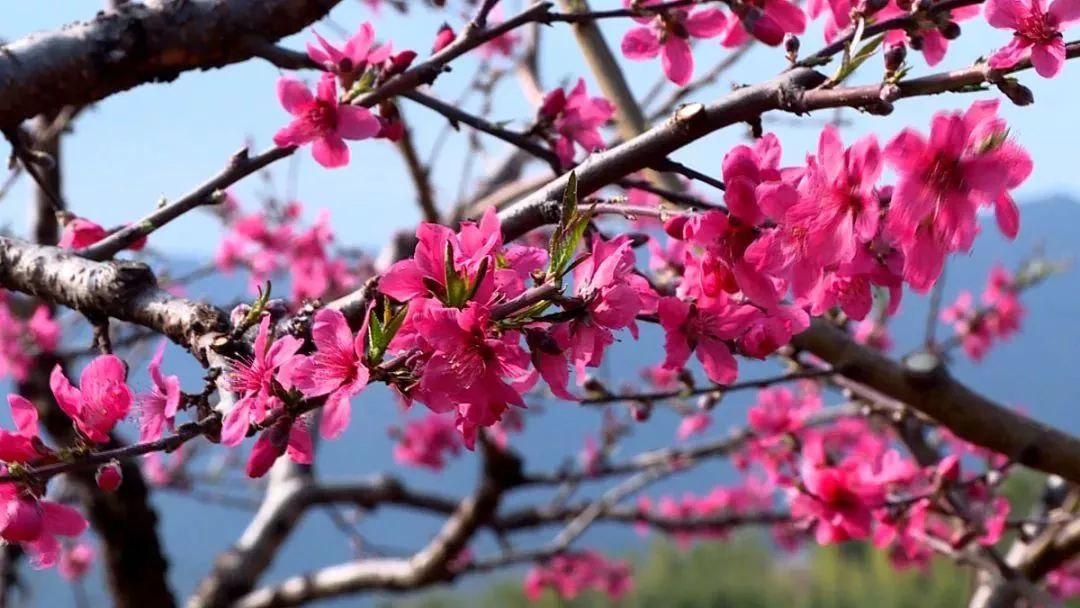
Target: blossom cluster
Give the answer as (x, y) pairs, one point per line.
(680, 513)
(997, 319)
(101, 400)
(569, 574)
(669, 31)
(846, 481)
(271, 241)
(470, 324)
(21, 339)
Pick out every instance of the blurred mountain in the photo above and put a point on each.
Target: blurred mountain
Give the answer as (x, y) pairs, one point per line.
(1034, 371)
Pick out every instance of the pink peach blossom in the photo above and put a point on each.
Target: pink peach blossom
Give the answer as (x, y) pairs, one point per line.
(668, 35)
(1036, 32)
(336, 369)
(102, 399)
(321, 121)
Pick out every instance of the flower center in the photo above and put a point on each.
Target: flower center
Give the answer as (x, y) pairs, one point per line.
(1037, 27)
(945, 175)
(323, 115)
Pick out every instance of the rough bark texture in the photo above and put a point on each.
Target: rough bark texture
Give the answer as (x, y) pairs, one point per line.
(138, 43)
(126, 291)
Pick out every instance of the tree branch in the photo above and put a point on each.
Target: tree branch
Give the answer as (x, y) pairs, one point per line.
(430, 564)
(240, 165)
(933, 392)
(136, 44)
(126, 291)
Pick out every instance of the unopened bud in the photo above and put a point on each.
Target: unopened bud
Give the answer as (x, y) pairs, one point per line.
(1016, 92)
(239, 313)
(392, 130)
(399, 63)
(108, 476)
(674, 226)
(443, 37)
(951, 30)
(641, 411)
(895, 56)
(791, 46)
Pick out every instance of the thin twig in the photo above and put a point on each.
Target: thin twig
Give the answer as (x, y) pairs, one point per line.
(240, 165)
(419, 174)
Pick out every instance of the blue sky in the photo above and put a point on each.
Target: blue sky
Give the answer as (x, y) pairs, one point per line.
(162, 140)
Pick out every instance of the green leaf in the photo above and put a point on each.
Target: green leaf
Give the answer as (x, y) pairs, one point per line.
(457, 286)
(848, 67)
(381, 331)
(257, 307)
(375, 337)
(567, 235)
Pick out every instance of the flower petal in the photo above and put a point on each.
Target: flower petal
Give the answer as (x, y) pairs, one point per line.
(356, 123)
(335, 415)
(330, 151)
(24, 414)
(706, 23)
(639, 44)
(293, 95)
(677, 60)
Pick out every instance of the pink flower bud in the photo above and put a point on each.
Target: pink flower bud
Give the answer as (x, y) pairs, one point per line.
(392, 130)
(674, 226)
(641, 412)
(400, 62)
(444, 37)
(791, 46)
(109, 476)
(895, 56)
(75, 561)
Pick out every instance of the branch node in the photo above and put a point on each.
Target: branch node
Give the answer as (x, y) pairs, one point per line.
(924, 368)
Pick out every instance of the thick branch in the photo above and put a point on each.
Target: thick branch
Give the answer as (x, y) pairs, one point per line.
(139, 43)
(963, 411)
(238, 569)
(430, 564)
(690, 123)
(126, 291)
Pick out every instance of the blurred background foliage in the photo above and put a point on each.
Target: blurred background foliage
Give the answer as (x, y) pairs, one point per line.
(747, 571)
